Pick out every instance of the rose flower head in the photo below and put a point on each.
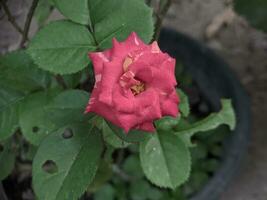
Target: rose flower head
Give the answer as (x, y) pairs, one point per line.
(134, 84)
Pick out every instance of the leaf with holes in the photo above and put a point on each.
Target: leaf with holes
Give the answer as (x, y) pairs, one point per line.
(7, 159)
(9, 102)
(225, 116)
(118, 18)
(165, 160)
(76, 11)
(68, 107)
(61, 47)
(64, 167)
(20, 73)
(34, 122)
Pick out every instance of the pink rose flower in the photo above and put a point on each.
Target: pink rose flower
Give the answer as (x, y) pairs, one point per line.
(134, 84)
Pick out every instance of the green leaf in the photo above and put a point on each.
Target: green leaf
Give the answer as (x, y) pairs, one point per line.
(68, 107)
(7, 159)
(118, 18)
(110, 18)
(167, 123)
(139, 190)
(9, 102)
(42, 11)
(72, 80)
(184, 104)
(76, 11)
(107, 192)
(198, 180)
(34, 122)
(165, 160)
(62, 47)
(254, 11)
(111, 138)
(133, 136)
(225, 116)
(103, 174)
(132, 167)
(74, 162)
(20, 73)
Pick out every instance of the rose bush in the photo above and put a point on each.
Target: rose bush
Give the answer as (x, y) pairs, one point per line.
(44, 92)
(134, 84)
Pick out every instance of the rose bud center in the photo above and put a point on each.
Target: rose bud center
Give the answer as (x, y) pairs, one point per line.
(128, 79)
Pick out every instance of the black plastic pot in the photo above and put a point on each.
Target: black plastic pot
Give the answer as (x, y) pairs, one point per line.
(215, 80)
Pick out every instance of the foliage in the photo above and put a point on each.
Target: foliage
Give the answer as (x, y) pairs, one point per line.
(43, 95)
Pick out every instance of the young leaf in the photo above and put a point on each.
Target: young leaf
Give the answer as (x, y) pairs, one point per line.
(20, 73)
(34, 122)
(165, 160)
(9, 101)
(76, 11)
(62, 47)
(118, 18)
(64, 166)
(167, 123)
(225, 116)
(7, 159)
(184, 104)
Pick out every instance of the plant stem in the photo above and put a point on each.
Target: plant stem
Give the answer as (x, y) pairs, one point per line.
(164, 6)
(61, 81)
(10, 17)
(28, 22)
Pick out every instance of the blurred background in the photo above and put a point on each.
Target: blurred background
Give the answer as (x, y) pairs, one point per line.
(243, 47)
(214, 23)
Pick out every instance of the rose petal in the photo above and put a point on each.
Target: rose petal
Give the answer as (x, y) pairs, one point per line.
(147, 126)
(110, 75)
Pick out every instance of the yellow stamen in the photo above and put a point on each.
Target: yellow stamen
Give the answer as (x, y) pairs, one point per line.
(137, 89)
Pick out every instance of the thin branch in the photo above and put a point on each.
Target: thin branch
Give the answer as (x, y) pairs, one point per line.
(10, 17)
(61, 81)
(164, 6)
(28, 22)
